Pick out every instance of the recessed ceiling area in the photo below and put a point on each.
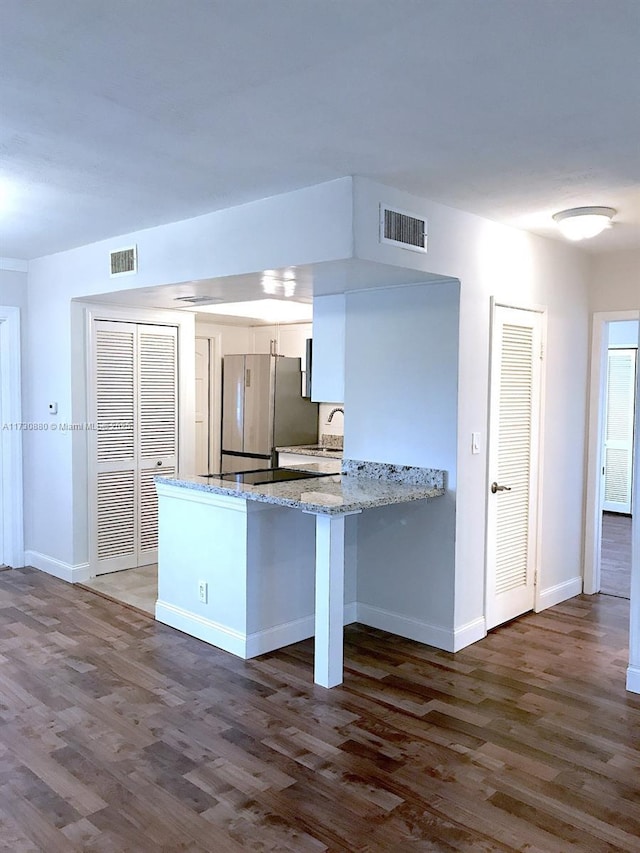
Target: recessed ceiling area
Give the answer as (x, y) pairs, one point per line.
(124, 115)
(205, 295)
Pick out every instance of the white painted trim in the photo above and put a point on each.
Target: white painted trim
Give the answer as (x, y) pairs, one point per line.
(14, 265)
(12, 503)
(560, 592)
(351, 613)
(470, 633)
(633, 679)
(65, 571)
(405, 626)
(633, 673)
(261, 642)
(236, 643)
(203, 629)
(593, 500)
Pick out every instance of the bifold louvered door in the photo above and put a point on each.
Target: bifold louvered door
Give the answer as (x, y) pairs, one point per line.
(514, 428)
(135, 408)
(618, 432)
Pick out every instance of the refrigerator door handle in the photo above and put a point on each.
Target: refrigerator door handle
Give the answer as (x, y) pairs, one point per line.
(247, 380)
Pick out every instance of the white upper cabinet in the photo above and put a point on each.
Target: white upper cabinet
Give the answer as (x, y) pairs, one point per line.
(327, 382)
(289, 340)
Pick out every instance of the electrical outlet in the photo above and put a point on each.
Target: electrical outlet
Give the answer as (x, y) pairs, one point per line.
(203, 590)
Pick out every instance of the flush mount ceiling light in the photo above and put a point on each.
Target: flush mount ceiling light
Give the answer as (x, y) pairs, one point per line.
(580, 223)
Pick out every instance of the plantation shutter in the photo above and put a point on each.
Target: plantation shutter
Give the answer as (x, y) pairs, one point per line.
(135, 438)
(618, 442)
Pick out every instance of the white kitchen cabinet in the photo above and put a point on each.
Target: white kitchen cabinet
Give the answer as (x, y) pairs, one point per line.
(327, 381)
(289, 340)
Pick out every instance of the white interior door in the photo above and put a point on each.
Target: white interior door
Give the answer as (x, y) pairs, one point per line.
(618, 430)
(514, 430)
(135, 411)
(203, 373)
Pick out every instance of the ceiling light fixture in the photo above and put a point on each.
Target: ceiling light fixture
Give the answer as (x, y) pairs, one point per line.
(580, 223)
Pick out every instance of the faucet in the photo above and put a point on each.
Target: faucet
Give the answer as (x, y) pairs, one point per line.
(332, 413)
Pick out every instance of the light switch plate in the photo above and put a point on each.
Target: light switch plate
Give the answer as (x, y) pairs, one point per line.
(203, 591)
(475, 442)
(53, 408)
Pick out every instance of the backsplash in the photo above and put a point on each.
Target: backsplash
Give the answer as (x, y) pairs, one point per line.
(336, 427)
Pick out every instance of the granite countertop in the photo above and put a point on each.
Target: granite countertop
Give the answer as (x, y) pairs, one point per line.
(313, 450)
(367, 485)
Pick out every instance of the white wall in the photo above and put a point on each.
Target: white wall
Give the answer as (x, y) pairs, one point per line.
(615, 281)
(520, 269)
(297, 228)
(13, 288)
(401, 396)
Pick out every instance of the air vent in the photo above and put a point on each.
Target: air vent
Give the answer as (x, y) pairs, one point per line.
(403, 229)
(124, 262)
(199, 300)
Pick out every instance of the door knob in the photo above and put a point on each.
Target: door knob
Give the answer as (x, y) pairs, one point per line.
(496, 488)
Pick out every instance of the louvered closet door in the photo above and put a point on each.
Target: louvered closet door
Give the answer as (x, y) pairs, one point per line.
(158, 427)
(135, 408)
(513, 463)
(114, 446)
(618, 439)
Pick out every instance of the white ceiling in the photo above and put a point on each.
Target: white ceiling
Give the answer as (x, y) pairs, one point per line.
(116, 115)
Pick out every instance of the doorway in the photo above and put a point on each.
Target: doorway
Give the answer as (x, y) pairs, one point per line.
(594, 497)
(11, 500)
(617, 452)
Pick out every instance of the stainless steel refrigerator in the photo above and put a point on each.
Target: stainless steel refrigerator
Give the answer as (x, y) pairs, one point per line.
(263, 408)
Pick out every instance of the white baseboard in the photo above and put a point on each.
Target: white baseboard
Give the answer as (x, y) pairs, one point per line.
(261, 642)
(244, 646)
(202, 628)
(560, 592)
(404, 626)
(633, 679)
(351, 613)
(65, 571)
(469, 633)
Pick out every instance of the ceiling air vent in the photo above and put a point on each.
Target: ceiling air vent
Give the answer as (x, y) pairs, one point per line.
(199, 300)
(403, 229)
(124, 262)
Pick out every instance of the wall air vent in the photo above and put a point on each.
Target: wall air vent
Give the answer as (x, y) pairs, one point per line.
(124, 261)
(403, 229)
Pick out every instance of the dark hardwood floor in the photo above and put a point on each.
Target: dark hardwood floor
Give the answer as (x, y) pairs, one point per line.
(120, 734)
(615, 563)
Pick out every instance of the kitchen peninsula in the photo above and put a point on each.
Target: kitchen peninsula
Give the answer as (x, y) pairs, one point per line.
(252, 568)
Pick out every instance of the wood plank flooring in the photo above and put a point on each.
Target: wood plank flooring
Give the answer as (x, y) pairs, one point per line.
(615, 564)
(121, 734)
